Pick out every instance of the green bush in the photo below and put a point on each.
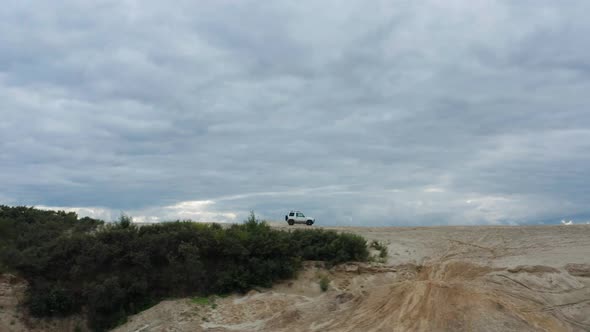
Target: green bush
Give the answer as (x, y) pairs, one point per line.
(330, 246)
(114, 270)
(324, 283)
(50, 299)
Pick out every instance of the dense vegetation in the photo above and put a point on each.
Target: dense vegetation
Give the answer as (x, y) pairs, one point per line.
(108, 271)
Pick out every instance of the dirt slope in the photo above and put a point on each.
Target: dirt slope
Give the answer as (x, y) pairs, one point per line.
(436, 279)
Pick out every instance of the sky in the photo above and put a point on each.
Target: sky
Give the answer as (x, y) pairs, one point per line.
(355, 112)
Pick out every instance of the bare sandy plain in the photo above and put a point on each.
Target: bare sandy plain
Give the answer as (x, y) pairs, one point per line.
(472, 278)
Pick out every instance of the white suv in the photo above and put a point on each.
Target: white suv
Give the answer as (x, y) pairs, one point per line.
(296, 217)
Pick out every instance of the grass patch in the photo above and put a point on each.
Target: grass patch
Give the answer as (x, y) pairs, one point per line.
(201, 300)
(324, 283)
(382, 248)
(204, 301)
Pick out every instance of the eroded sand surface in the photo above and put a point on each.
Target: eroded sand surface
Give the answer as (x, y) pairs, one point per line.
(435, 279)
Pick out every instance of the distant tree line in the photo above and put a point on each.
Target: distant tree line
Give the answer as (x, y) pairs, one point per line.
(109, 271)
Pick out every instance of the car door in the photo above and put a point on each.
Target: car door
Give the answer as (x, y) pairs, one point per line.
(300, 217)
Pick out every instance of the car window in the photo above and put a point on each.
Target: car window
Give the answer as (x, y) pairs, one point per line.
(299, 214)
(291, 214)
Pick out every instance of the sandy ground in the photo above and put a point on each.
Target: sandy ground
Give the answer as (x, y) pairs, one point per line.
(495, 246)
(525, 278)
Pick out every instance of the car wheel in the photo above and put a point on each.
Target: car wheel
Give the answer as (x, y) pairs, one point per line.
(309, 222)
(291, 222)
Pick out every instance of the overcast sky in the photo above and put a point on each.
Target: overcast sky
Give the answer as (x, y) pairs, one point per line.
(355, 112)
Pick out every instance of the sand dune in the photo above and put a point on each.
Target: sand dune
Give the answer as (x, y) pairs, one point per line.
(525, 278)
(436, 279)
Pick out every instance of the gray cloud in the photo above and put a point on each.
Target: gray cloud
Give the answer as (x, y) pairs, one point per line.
(462, 112)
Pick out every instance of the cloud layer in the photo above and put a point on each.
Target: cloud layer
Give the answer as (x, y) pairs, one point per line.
(381, 113)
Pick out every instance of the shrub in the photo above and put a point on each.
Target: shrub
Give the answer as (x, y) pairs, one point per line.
(324, 283)
(330, 246)
(381, 247)
(50, 300)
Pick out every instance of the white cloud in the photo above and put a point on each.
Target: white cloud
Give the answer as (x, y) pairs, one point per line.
(434, 190)
(199, 211)
(92, 212)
